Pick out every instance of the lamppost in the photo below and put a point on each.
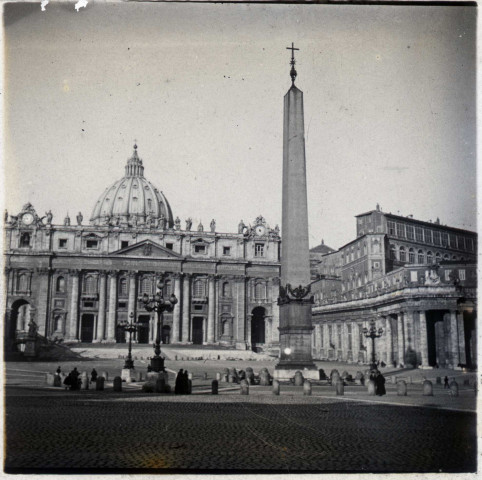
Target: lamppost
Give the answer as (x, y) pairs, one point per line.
(130, 328)
(157, 303)
(372, 333)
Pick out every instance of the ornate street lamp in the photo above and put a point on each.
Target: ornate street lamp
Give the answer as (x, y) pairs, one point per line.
(129, 327)
(372, 333)
(157, 303)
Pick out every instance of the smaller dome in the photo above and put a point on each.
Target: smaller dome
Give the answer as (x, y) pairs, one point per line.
(132, 200)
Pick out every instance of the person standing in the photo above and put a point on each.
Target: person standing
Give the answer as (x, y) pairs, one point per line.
(446, 382)
(179, 380)
(380, 384)
(93, 375)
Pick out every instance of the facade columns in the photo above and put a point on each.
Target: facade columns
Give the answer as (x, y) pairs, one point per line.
(423, 339)
(454, 340)
(101, 318)
(74, 305)
(401, 339)
(460, 327)
(368, 343)
(240, 335)
(355, 341)
(111, 318)
(186, 307)
(176, 314)
(211, 308)
(131, 302)
(388, 340)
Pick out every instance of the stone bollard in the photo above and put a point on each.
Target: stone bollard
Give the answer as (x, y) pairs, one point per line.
(49, 379)
(214, 387)
(394, 380)
(85, 382)
(427, 388)
(275, 387)
(99, 383)
(244, 389)
(340, 387)
(401, 388)
(454, 388)
(334, 379)
(218, 376)
(306, 387)
(117, 384)
(231, 378)
(264, 378)
(371, 387)
(205, 377)
(160, 384)
(359, 378)
(225, 378)
(105, 375)
(298, 378)
(438, 380)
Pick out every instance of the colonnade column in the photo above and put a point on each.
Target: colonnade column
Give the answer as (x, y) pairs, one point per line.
(110, 334)
(401, 339)
(460, 327)
(176, 314)
(101, 318)
(454, 340)
(275, 318)
(211, 309)
(74, 305)
(423, 339)
(355, 341)
(131, 302)
(368, 344)
(388, 340)
(185, 308)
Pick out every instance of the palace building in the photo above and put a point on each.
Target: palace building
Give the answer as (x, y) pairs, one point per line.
(77, 282)
(417, 280)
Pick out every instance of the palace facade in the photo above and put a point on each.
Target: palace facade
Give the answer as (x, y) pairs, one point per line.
(78, 282)
(417, 280)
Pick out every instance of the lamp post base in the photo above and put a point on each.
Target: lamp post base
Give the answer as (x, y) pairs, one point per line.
(157, 364)
(129, 363)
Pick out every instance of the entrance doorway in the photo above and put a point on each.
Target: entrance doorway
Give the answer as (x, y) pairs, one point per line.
(197, 330)
(258, 326)
(87, 329)
(143, 329)
(436, 338)
(470, 337)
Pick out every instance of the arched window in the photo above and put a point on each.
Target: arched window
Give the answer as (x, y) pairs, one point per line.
(393, 252)
(421, 257)
(429, 257)
(123, 287)
(60, 285)
(446, 256)
(403, 257)
(146, 286)
(90, 284)
(438, 257)
(411, 255)
(260, 291)
(58, 322)
(22, 282)
(226, 289)
(25, 240)
(199, 288)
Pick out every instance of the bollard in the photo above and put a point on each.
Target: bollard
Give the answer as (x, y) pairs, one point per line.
(427, 388)
(231, 378)
(264, 378)
(85, 382)
(244, 387)
(49, 379)
(394, 380)
(454, 388)
(105, 375)
(298, 378)
(334, 378)
(275, 387)
(438, 380)
(117, 384)
(371, 387)
(306, 387)
(401, 388)
(99, 383)
(205, 376)
(218, 376)
(340, 387)
(214, 387)
(225, 378)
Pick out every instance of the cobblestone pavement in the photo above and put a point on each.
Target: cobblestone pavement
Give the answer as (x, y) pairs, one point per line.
(51, 431)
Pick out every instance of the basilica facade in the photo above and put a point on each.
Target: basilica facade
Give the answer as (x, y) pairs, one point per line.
(78, 282)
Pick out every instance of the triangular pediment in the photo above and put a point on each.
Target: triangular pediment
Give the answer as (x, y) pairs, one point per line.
(146, 248)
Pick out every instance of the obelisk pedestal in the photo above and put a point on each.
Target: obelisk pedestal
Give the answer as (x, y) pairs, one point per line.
(294, 301)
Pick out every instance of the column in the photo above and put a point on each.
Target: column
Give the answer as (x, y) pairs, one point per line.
(21, 318)
(110, 334)
(454, 340)
(176, 314)
(423, 339)
(43, 275)
(240, 310)
(318, 345)
(101, 318)
(460, 327)
(275, 319)
(401, 339)
(74, 305)
(131, 302)
(388, 341)
(186, 305)
(355, 340)
(211, 308)
(368, 343)
(326, 340)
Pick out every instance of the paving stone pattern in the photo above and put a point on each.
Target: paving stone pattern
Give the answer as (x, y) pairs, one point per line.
(72, 432)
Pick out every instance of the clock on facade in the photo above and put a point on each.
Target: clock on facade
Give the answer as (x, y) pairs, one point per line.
(260, 230)
(27, 218)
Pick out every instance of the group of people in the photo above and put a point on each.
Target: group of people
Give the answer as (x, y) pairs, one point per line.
(182, 383)
(379, 381)
(73, 380)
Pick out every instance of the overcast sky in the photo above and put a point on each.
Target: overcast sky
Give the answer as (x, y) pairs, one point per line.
(389, 109)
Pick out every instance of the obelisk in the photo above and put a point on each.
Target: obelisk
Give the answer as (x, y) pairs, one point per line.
(295, 300)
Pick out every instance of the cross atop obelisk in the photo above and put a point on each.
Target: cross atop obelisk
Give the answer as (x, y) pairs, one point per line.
(293, 72)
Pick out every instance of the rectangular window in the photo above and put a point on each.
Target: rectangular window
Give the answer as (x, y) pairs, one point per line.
(169, 246)
(226, 250)
(259, 249)
(330, 335)
(124, 244)
(349, 337)
(200, 248)
(338, 327)
(62, 243)
(428, 235)
(391, 228)
(452, 240)
(445, 239)
(198, 307)
(400, 230)
(447, 275)
(436, 237)
(410, 232)
(360, 336)
(462, 274)
(419, 234)
(471, 244)
(461, 242)
(92, 243)
(122, 304)
(413, 275)
(88, 304)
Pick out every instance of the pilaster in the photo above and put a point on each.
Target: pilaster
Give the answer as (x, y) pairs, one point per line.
(111, 318)
(401, 339)
(186, 307)
(102, 301)
(211, 309)
(74, 306)
(176, 313)
(423, 339)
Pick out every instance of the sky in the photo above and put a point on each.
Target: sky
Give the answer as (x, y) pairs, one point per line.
(389, 101)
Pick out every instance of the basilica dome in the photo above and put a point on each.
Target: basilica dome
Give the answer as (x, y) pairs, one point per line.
(132, 200)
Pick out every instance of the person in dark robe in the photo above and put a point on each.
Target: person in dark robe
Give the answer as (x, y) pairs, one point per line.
(93, 375)
(380, 384)
(446, 382)
(74, 375)
(58, 371)
(185, 383)
(179, 379)
(68, 381)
